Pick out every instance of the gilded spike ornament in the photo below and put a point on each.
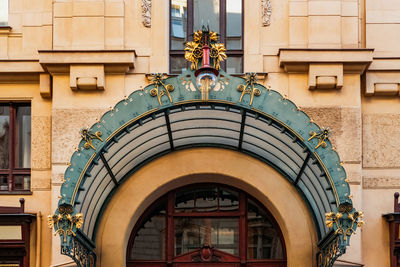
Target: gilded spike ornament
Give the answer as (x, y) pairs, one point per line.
(160, 88)
(249, 87)
(322, 135)
(88, 136)
(194, 52)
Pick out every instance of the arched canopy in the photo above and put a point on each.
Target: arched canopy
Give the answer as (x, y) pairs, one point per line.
(172, 114)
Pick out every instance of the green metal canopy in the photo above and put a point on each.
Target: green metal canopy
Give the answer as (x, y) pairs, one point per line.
(172, 114)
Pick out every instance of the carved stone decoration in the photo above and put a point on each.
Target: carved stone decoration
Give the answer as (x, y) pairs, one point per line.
(266, 8)
(146, 13)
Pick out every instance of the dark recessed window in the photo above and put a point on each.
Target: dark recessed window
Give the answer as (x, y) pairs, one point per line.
(222, 16)
(15, 147)
(206, 224)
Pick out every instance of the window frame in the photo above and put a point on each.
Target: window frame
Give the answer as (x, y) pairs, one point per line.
(222, 33)
(171, 214)
(13, 171)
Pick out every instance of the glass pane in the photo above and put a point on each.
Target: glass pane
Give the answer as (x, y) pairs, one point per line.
(22, 182)
(228, 200)
(206, 13)
(3, 183)
(193, 233)
(206, 199)
(234, 64)
(3, 12)
(178, 64)
(263, 240)
(149, 242)
(23, 140)
(178, 24)
(4, 135)
(234, 24)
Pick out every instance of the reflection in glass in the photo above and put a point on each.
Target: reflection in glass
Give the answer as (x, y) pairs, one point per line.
(234, 64)
(193, 233)
(4, 136)
(23, 140)
(22, 182)
(178, 24)
(206, 199)
(149, 242)
(3, 183)
(234, 24)
(178, 64)
(206, 13)
(263, 241)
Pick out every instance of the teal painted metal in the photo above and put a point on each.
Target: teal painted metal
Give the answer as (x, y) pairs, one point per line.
(230, 91)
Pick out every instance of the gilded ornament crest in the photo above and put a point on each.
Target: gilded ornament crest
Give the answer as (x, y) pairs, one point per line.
(194, 52)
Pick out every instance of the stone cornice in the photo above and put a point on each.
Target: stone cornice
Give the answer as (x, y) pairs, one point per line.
(296, 60)
(20, 70)
(114, 61)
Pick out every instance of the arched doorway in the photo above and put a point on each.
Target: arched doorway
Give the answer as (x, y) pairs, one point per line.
(206, 225)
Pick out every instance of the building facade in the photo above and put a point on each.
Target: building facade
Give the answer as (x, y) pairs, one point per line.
(140, 168)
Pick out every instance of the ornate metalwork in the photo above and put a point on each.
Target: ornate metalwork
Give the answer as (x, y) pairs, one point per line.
(206, 254)
(139, 104)
(81, 253)
(158, 80)
(89, 137)
(65, 223)
(146, 13)
(266, 8)
(344, 222)
(322, 136)
(327, 255)
(249, 87)
(194, 53)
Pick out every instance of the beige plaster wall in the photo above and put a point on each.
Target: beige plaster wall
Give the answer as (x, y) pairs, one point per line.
(206, 165)
(364, 129)
(40, 199)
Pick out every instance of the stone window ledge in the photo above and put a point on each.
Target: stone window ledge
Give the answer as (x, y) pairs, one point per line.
(383, 77)
(325, 67)
(87, 68)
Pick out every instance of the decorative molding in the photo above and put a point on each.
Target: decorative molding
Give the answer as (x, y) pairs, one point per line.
(146, 13)
(298, 60)
(380, 182)
(382, 77)
(20, 71)
(266, 8)
(114, 61)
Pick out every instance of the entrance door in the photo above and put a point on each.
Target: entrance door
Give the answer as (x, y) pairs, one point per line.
(206, 225)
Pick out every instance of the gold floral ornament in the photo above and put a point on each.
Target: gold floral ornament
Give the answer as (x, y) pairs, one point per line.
(321, 136)
(218, 54)
(194, 52)
(64, 222)
(89, 137)
(160, 88)
(345, 221)
(249, 88)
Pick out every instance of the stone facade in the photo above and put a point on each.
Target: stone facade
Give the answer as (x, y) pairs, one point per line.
(339, 60)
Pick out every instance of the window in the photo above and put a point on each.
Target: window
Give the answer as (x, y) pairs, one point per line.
(206, 220)
(15, 147)
(222, 16)
(3, 13)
